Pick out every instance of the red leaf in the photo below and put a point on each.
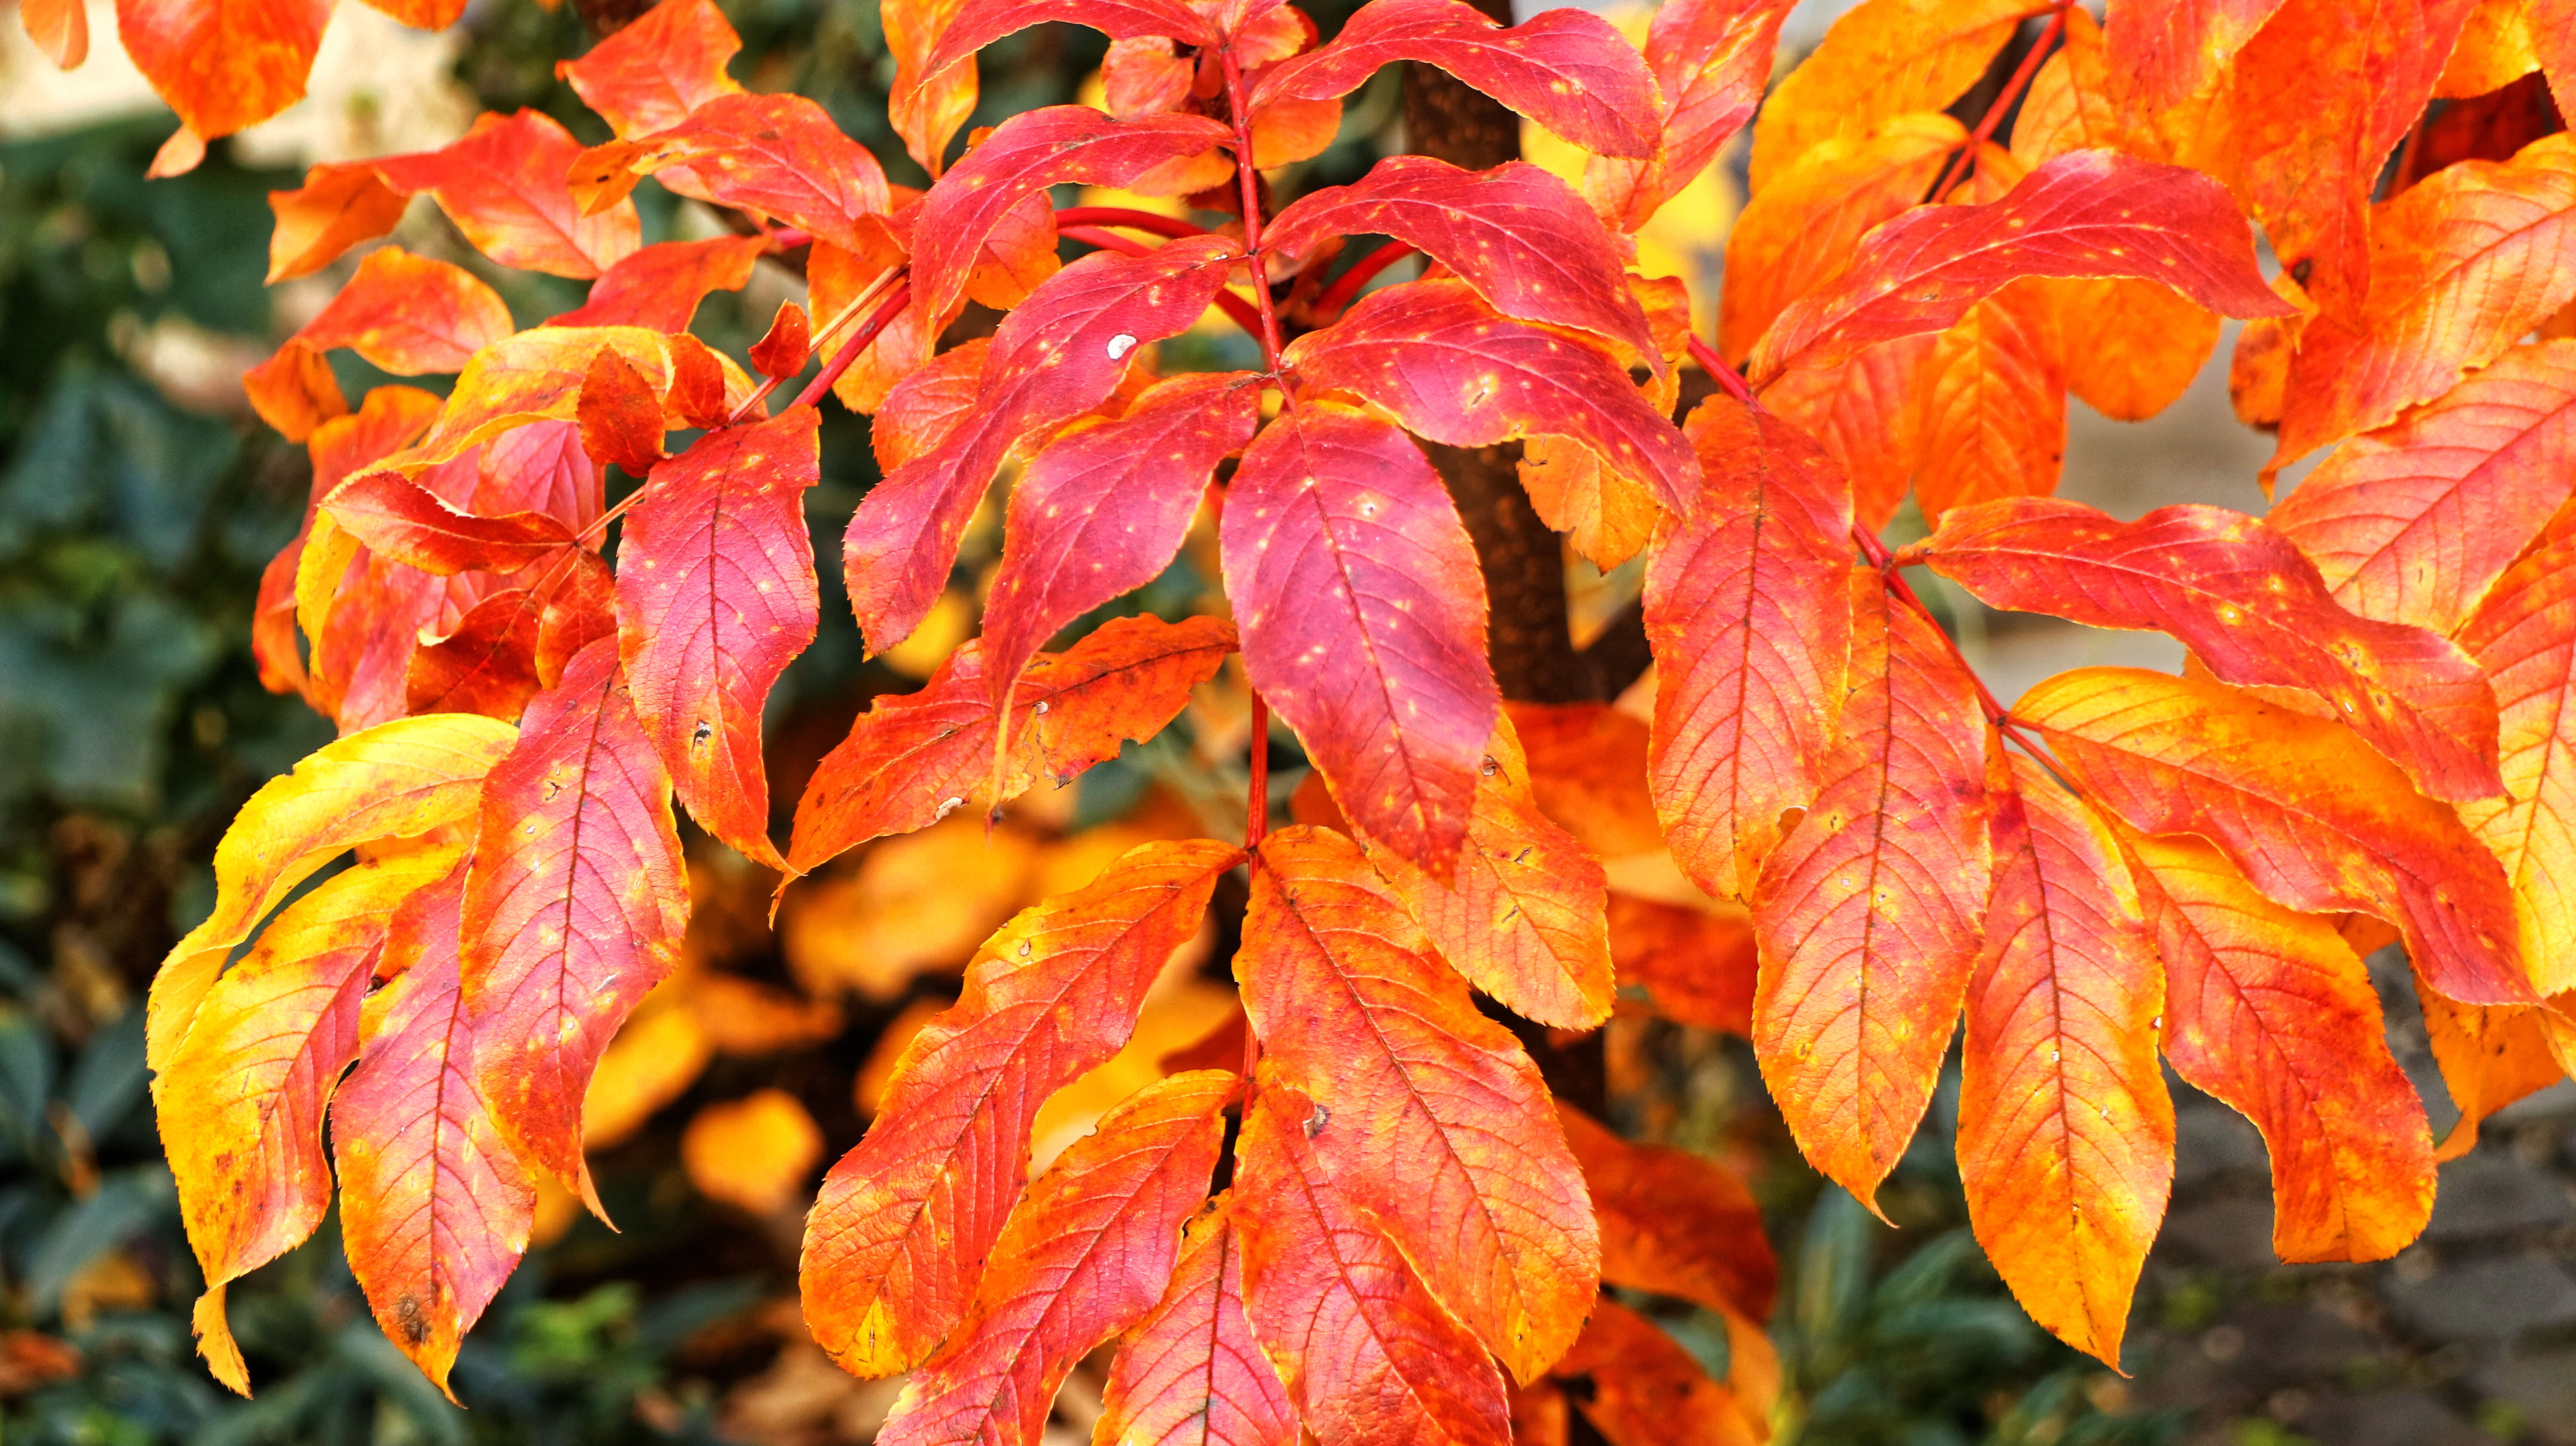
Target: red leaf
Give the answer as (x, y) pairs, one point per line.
(782, 352)
(434, 1206)
(979, 23)
(650, 75)
(2245, 601)
(1435, 355)
(1086, 1257)
(1191, 1371)
(1696, 967)
(486, 664)
(906, 1220)
(912, 760)
(1566, 69)
(1862, 413)
(223, 64)
(774, 155)
(1673, 1222)
(922, 409)
(404, 313)
(2066, 1133)
(573, 907)
(503, 185)
(2414, 522)
(715, 594)
(340, 204)
(1748, 607)
(1363, 616)
(2273, 1013)
(1518, 235)
(2086, 213)
(1369, 1358)
(1427, 1116)
(541, 467)
(1024, 155)
(1710, 60)
(2524, 636)
(660, 286)
(620, 415)
(1057, 356)
(1868, 913)
(1103, 511)
(2316, 820)
(399, 519)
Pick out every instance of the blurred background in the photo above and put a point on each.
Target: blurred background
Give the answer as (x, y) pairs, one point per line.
(138, 502)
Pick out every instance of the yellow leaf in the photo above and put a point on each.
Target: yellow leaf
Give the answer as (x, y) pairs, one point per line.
(756, 1152)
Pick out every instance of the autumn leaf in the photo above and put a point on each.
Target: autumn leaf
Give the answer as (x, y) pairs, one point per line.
(1451, 370)
(1082, 1259)
(1102, 511)
(979, 23)
(913, 759)
(2489, 1056)
(534, 376)
(1191, 1369)
(60, 28)
(1363, 617)
(504, 186)
(2273, 1013)
(1565, 69)
(771, 155)
(1354, 1012)
(755, 1153)
(2085, 214)
(1710, 60)
(1869, 912)
(920, 410)
(1861, 411)
(907, 1218)
(1058, 355)
(1023, 156)
(399, 780)
(2413, 523)
(2167, 51)
(659, 287)
(2315, 819)
(2470, 270)
(2524, 638)
(1524, 918)
(1673, 1222)
(2066, 1134)
(1368, 1356)
(1645, 1389)
(399, 519)
(2246, 603)
(434, 1207)
(242, 1097)
(340, 204)
(405, 314)
(1747, 607)
(716, 593)
(223, 65)
(1881, 59)
(652, 74)
(1988, 407)
(1696, 967)
(573, 910)
(1520, 237)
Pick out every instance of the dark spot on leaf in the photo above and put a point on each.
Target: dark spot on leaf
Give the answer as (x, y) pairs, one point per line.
(410, 1319)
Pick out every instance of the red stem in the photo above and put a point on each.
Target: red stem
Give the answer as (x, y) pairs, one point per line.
(1257, 823)
(1168, 226)
(1963, 160)
(1347, 286)
(1718, 370)
(886, 312)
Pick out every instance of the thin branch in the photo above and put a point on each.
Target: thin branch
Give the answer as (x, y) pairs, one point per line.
(1963, 160)
(1172, 227)
(1347, 286)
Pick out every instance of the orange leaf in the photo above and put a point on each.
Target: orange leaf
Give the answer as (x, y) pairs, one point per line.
(2524, 636)
(504, 186)
(2467, 268)
(906, 1219)
(920, 410)
(1369, 1357)
(398, 518)
(2273, 1013)
(1191, 1370)
(782, 351)
(620, 415)
(1697, 968)
(926, 107)
(1711, 59)
(1673, 1222)
(650, 75)
(914, 759)
(1648, 1391)
(60, 28)
(1086, 1257)
(1523, 919)
(1607, 518)
(1427, 1115)
(2245, 601)
(574, 906)
(2415, 521)
(2316, 820)
(1861, 412)
(434, 1207)
(241, 1099)
(715, 595)
(2066, 1133)
(1989, 406)
(659, 287)
(2489, 1056)
(771, 155)
(1868, 913)
(2553, 38)
(340, 204)
(406, 314)
(2167, 51)
(398, 780)
(535, 376)
(223, 64)
(1747, 606)
(1882, 58)
(755, 1153)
